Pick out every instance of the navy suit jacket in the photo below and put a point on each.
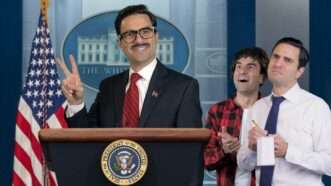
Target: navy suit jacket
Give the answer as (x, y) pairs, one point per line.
(172, 100)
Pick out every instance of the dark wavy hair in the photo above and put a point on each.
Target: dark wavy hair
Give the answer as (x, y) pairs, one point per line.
(131, 10)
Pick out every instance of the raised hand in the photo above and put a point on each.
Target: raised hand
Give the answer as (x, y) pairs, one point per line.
(72, 86)
(229, 143)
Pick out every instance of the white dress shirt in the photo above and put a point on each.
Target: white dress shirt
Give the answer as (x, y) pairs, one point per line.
(142, 84)
(304, 121)
(243, 177)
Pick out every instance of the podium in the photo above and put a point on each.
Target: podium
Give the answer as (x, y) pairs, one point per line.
(174, 154)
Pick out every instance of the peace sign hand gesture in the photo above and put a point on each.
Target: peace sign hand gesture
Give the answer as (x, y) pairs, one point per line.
(72, 86)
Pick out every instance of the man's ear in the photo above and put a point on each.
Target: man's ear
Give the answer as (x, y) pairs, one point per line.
(119, 44)
(300, 71)
(261, 79)
(157, 36)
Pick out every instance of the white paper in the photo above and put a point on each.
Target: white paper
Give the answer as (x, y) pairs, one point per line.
(265, 151)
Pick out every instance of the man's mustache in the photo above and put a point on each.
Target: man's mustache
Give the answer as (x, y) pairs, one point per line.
(141, 44)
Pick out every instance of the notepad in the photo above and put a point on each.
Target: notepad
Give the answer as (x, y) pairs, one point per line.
(265, 151)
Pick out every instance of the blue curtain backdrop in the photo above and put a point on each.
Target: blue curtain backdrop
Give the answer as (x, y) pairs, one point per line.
(320, 63)
(10, 81)
(320, 39)
(241, 31)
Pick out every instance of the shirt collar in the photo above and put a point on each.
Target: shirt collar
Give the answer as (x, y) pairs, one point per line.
(233, 105)
(292, 94)
(146, 72)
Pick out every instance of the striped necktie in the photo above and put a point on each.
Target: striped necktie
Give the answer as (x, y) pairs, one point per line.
(130, 117)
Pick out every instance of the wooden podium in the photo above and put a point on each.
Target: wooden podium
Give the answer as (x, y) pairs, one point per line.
(174, 154)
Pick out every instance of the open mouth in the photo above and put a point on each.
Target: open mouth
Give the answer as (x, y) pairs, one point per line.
(243, 80)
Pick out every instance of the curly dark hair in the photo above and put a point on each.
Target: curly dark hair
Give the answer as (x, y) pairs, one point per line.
(257, 54)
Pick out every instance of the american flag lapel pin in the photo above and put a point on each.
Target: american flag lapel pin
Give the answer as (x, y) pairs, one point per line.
(155, 94)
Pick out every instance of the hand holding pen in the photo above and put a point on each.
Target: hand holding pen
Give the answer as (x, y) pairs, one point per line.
(254, 133)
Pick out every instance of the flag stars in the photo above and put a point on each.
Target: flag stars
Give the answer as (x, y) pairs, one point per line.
(41, 104)
(50, 93)
(38, 72)
(39, 114)
(34, 104)
(37, 83)
(35, 52)
(28, 93)
(40, 62)
(58, 93)
(44, 83)
(41, 51)
(49, 103)
(30, 83)
(46, 72)
(42, 93)
(42, 89)
(36, 41)
(52, 72)
(51, 83)
(42, 29)
(34, 62)
(35, 93)
(32, 73)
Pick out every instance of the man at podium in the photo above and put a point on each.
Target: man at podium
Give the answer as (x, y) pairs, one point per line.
(147, 95)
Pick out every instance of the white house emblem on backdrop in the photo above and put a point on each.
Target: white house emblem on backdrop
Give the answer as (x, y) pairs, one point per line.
(93, 42)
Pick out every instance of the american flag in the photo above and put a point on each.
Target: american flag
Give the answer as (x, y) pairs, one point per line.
(41, 105)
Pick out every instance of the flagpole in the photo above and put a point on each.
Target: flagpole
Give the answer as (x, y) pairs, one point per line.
(44, 14)
(44, 9)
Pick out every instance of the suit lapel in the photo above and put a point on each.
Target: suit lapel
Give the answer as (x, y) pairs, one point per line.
(153, 93)
(119, 91)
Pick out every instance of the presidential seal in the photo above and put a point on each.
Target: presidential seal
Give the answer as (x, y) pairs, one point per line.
(124, 162)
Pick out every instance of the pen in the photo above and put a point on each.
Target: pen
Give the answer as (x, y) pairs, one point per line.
(254, 123)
